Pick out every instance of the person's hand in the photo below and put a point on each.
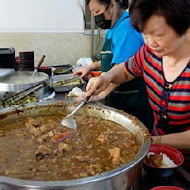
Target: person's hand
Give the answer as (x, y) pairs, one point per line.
(98, 97)
(81, 97)
(82, 71)
(96, 85)
(156, 139)
(93, 98)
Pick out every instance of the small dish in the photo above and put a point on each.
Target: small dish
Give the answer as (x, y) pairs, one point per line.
(61, 71)
(172, 153)
(95, 73)
(167, 188)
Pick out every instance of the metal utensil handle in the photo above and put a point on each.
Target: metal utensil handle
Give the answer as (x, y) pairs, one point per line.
(70, 79)
(21, 92)
(70, 68)
(76, 109)
(86, 99)
(62, 82)
(29, 92)
(79, 106)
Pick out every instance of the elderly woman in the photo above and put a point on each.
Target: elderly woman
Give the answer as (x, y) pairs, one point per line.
(164, 63)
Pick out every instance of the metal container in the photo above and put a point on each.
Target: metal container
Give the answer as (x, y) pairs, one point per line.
(65, 88)
(125, 177)
(22, 80)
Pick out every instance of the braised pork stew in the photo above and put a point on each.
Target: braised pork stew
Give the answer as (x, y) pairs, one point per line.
(41, 149)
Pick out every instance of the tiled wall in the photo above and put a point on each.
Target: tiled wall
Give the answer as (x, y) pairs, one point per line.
(59, 48)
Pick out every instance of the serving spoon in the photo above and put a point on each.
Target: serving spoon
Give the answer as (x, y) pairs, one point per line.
(38, 66)
(68, 120)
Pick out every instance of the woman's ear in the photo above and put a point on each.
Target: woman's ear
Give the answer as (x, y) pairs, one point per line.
(112, 3)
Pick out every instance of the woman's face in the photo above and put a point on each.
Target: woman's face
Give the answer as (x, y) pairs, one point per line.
(160, 37)
(97, 8)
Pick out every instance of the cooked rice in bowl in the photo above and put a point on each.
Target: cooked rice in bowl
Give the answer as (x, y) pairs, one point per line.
(160, 160)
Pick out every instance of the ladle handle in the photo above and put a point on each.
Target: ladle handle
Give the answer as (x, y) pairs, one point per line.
(40, 61)
(86, 99)
(79, 106)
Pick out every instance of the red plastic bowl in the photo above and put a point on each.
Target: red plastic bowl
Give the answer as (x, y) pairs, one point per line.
(171, 152)
(167, 188)
(95, 73)
(45, 69)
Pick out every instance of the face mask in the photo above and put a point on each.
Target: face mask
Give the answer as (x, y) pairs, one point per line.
(101, 22)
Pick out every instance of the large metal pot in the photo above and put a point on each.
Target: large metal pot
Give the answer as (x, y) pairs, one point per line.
(125, 177)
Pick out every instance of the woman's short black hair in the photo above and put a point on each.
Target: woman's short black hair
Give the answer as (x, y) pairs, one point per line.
(122, 3)
(175, 12)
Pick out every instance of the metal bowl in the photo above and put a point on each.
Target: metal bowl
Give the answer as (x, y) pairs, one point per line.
(125, 177)
(21, 80)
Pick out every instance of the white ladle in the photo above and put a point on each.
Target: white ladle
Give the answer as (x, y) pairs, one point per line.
(68, 121)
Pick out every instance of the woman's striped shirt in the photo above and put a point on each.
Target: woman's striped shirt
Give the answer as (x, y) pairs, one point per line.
(170, 101)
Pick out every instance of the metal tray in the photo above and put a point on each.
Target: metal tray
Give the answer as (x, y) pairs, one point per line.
(65, 88)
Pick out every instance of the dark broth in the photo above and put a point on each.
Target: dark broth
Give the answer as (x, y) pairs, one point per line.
(42, 149)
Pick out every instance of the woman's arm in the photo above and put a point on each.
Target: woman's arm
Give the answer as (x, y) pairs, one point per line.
(177, 140)
(83, 71)
(116, 75)
(96, 66)
(104, 93)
